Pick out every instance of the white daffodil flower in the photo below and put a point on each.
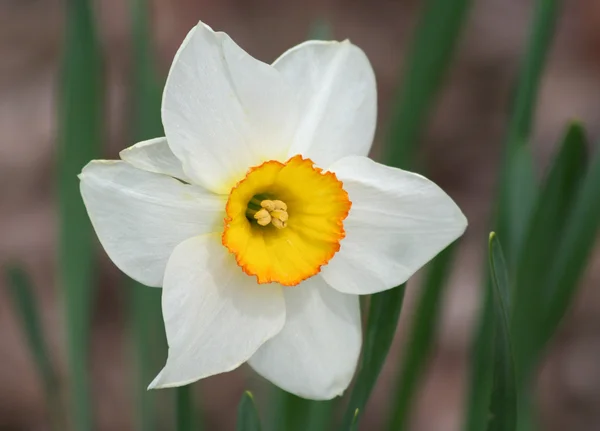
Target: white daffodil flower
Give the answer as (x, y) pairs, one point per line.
(260, 215)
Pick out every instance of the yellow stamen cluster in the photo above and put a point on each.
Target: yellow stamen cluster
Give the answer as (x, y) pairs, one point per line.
(274, 212)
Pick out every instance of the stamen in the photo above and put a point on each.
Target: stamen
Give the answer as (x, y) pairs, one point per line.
(274, 212)
(262, 217)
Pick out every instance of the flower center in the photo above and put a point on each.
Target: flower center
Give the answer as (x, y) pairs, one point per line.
(285, 220)
(268, 211)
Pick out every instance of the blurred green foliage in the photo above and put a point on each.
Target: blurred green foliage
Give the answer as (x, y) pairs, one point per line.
(80, 140)
(247, 415)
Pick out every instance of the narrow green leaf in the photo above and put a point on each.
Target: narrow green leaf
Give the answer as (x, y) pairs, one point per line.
(541, 242)
(542, 31)
(150, 347)
(420, 339)
(354, 425)
(428, 60)
(503, 406)
(517, 187)
(146, 316)
(287, 411)
(320, 415)
(517, 194)
(80, 114)
(573, 252)
(21, 293)
(384, 312)
(247, 415)
(481, 370)
(516, 175)
(186, 420)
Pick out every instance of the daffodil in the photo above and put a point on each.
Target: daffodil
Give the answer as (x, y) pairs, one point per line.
(260, 215)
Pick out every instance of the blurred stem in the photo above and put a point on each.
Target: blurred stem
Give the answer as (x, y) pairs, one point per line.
(517, 187)
(22, 296)
(80, 113)
(288, 412)
(185, 409)
(481, 372)
(382, 320)
(420, 339)
(510, 229)
(428, 59)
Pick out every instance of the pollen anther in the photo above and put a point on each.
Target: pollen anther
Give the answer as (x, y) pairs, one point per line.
(262, 217)
(274, 212)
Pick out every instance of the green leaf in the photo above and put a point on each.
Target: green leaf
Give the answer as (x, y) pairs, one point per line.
(184, 398)
(573, 251)
(517, 187)
(517, 183)
(546, 226)
(420, 340)
(428, 60)
(247, 416)
(542, 31)
(481, 371)
(150, 348)
(21, 293)
(517, 194)
(503, 405)
(354, 425)
(81, 126)
(287, 411)
(384, 312)
(320, 415)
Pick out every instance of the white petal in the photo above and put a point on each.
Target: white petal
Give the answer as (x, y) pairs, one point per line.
(316, 353)
(140, 216)
(337, 95)
(154, 155)
(397, 223)
(224, 111)
(216, 316)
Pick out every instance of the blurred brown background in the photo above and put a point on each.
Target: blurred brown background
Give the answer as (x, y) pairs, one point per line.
(460, 150)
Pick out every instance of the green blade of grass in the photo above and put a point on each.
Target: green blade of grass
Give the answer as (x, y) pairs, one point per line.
(149, 351)
(420, 339)
(147, 324)
(320, 415)
(481, 371)
(384, 312)
(354, 425)
(515, 192)
(21, 294)
(80, 113)
(517, 195)
(186, 421)
(428, 60)
(541, 242)
(574, 249)
(288, 412)
(542, 31)
(247, 415)
(503, 404)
